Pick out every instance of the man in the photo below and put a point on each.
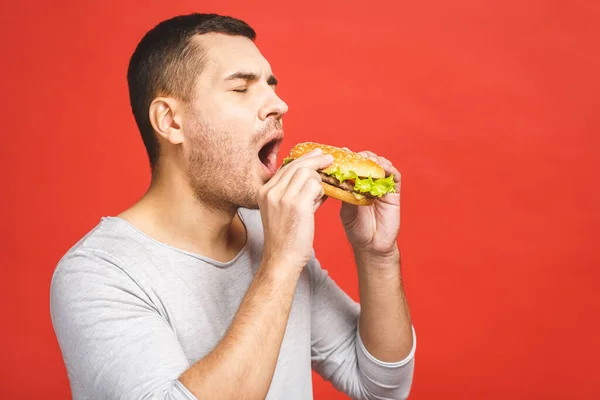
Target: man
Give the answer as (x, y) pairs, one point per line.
(208, 287)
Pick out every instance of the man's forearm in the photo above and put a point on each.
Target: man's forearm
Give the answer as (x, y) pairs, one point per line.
(243, 363)
(385, 324)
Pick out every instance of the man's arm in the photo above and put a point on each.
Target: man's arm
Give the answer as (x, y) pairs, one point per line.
(385, 323)
(116, 344)
(244, 360)
(338, 352)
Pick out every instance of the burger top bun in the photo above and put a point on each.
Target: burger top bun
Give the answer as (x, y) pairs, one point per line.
(345, 160)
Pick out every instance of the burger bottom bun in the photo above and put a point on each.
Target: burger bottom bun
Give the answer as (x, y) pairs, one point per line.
(343, 195)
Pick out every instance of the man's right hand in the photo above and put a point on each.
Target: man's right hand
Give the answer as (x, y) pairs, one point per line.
(288, 203)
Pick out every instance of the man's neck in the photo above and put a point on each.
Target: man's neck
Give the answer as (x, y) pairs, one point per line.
(170, 213)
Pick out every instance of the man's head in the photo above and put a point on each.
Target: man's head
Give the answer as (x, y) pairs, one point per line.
(204, 101)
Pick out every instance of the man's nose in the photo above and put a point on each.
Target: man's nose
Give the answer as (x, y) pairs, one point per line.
(275, 108)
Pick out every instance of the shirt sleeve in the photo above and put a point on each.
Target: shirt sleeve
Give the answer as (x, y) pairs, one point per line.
(114, 342)
(337, 351)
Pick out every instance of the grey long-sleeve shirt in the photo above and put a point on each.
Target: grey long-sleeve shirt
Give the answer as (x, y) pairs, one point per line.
(131, 314)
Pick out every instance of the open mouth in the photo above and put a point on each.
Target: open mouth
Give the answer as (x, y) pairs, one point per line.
(268, 155)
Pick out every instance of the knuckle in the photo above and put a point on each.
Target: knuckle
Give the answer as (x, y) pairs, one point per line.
(289, 172)
(304, 172)
(315, 185)
(272, 197)
(262, 193)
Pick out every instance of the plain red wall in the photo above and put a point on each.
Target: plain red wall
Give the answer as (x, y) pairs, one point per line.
(488, 108)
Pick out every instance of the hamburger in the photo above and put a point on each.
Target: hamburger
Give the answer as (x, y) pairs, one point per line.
(351, 177)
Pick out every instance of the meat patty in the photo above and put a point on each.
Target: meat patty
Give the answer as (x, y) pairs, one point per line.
(346, 185)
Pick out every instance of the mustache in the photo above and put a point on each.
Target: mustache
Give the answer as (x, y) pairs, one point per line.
(271, 125)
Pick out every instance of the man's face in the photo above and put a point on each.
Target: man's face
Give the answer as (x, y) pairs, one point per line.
(233, 116)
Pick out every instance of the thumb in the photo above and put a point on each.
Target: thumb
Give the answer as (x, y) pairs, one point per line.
(348, 212)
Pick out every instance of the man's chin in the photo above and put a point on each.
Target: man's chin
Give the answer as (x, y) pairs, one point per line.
(250, 200)
(250, 204)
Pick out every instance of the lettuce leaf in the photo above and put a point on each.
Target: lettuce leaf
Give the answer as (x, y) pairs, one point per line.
(342, 176)
(377, 187)
(287, 160)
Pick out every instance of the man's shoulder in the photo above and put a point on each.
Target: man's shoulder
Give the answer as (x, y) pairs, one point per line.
(103, 267)
(109, 243)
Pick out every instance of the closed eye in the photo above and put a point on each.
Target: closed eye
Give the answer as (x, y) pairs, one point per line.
(250, 77)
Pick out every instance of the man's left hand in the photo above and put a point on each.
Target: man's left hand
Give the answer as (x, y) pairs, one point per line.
(374, 229)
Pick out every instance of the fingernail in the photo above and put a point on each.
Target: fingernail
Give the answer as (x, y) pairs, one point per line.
(329, 157)
(318, 150)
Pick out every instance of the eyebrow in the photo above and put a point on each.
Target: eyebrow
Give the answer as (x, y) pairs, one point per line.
(251, 77)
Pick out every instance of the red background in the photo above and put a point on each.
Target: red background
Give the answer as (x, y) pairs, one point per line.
(488, 108)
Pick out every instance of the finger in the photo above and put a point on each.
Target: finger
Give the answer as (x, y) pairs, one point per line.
(348, 212)
(391, 170)
(374, 157)
(282, 170)
(390, 198)
(367, 153)
(320, 203)
(312, 191)
(314, 163)
(370, 155)
(298, 179)
(384, 162)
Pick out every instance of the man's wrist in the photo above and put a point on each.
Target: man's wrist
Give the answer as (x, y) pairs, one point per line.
(373, 262)
(278, 272)
(388, 257)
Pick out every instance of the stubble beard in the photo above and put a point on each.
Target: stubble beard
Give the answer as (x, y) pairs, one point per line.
(219, 168)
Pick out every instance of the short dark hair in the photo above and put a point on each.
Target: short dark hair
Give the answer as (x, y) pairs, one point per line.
(166, 62)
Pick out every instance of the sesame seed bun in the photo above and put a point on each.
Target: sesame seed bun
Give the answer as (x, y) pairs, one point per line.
(346, 160)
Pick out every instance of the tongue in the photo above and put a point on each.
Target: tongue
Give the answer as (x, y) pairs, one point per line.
(268, 157)
(272, 160)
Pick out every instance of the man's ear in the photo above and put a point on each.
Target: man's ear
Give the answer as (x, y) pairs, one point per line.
(165, 117)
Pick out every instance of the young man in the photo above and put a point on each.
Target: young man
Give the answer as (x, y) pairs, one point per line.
(208, 287)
